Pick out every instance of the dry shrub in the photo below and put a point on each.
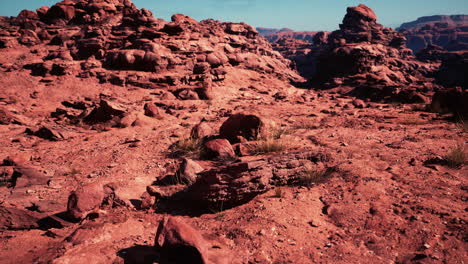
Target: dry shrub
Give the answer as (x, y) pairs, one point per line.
(187, 147)
(456, 157)
(278, 193)
(312, 177)
(270, 145)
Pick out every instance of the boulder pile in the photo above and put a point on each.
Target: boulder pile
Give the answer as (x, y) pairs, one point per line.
(90, 37)
(372, 59)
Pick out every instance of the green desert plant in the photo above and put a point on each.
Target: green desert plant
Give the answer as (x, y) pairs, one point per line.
(457, 157)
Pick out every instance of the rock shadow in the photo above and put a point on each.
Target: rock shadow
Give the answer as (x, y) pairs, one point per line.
(139, 254)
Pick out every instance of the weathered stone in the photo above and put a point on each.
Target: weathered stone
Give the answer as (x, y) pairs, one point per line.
(358, 103)
(451, 101)
(17, 219)
(187, 94)
(46, 133)
(245, 149)
(218, 149)
(20, 174)
(178, 242)
(147, 201)
(188, 171)
(152, 110)
(105, 112)
(201, 131)
(88, 198)
(246, 125)
(234, 184)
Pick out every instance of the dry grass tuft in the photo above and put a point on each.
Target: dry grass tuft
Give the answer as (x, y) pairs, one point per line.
(187, 147)
(279, 132)
(177, 179)
(275, 141)
(311, 177)
(462, 124)
(307, 126)
(457, 157)
(278, 193)
(270, 145)
(412, 121)
(72, 172)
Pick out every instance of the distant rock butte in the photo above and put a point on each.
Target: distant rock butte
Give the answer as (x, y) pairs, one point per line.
(274, 35)
(453, 20)
(449, 32)
(372, 60)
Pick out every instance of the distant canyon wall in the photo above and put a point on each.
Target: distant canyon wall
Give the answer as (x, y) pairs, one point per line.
(449, 32)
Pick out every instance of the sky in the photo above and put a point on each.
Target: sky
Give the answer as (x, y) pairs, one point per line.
(294, 14)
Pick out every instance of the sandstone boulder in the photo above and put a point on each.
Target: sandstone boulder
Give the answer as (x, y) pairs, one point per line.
(188, 171)
(180, 18)
(244, 125)
(18, 173)
(152, 110)
(27, 14)
(178, 242)
(237, 183)
(89, 198)
(451, 101)
(17, 219)
(218, 149)
(106, 111)
(201, 131)
(46, 133)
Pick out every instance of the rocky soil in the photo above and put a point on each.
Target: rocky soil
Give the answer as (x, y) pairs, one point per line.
(129, 139)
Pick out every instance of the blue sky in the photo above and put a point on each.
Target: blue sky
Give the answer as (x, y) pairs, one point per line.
(295, 14)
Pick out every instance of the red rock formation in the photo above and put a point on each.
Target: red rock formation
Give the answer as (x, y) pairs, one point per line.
(120, 36)
(373, 59)
(301, 53)
(181, 243)
(449, 32)
(274, 35)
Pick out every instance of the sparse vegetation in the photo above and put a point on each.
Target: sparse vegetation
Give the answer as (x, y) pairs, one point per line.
(312, 177)
(306, 125)
(462, 124)
(279, 132)
(187, 147)
(270, 145)
(215, 209)
(274, 142)
(72, 172)
(177, 179)
(412, 121)
(278, 193)
(22, 57)
(456, 157)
